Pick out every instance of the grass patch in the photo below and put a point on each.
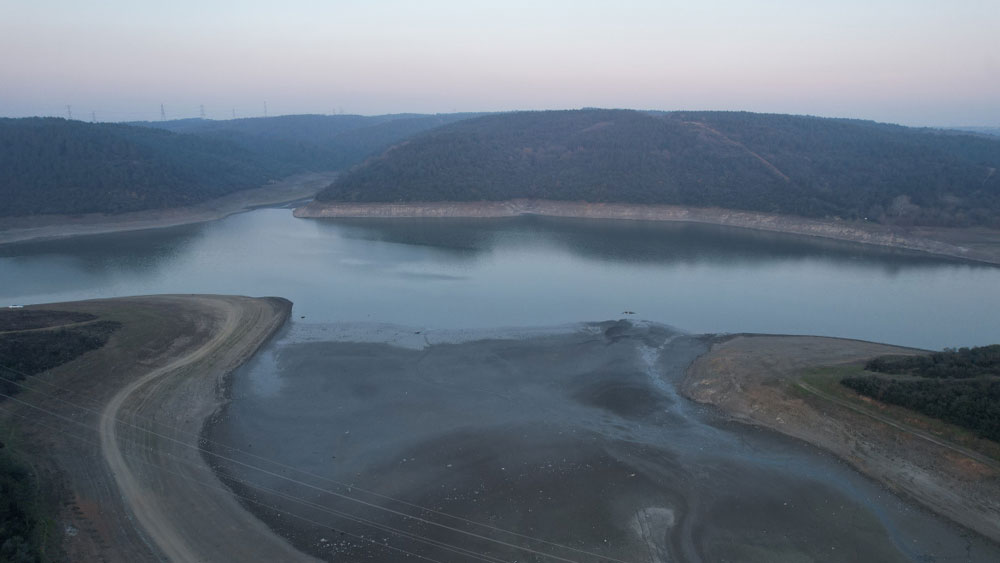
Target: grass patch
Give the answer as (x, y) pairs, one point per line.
(28, 353)
(827, 381)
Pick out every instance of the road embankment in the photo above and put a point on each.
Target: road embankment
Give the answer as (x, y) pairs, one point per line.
(981, 245)
(122, 429)
(758, 379)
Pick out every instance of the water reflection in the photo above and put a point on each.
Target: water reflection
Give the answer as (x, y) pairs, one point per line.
(623, 241)
(528, 271)
(94, 261)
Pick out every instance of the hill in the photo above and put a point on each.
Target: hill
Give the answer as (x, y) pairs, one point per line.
(993, 131)
(807, 166)
(312, 142)
(55, 166)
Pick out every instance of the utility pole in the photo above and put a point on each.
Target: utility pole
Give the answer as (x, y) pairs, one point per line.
(69, 112)
(163, 113)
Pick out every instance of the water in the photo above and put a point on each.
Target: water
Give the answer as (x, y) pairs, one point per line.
(397, 375)
(528, 271)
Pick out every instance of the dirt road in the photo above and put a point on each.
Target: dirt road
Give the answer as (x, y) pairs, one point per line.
(146, 493)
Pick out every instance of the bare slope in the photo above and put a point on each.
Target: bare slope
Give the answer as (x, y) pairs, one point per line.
(760, 380)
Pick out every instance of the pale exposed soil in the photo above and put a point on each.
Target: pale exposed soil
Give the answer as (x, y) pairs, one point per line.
(981, 245)
(757, 379)
(37, 227)
(115, 433)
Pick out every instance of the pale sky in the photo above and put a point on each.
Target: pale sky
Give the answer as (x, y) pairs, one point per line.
(915, 62)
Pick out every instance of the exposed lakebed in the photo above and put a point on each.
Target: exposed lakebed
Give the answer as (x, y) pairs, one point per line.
(570, 442)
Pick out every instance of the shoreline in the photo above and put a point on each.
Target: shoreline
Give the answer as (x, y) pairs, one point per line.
(126, 493)
(47, 227)
(973, 244)
(169, 368)
(756, 379)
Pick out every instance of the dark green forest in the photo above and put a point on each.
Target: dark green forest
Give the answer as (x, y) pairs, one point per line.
(22, 529)
(57, 166)
(52, 165)
(30, 352)
(970, 403)
(948, 364)
(25, 351)
(808, 166)
(960, 386)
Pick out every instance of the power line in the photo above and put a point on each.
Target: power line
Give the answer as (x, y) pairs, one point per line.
(203, 483)
(340, 484)
(328, 491)
(287, 496)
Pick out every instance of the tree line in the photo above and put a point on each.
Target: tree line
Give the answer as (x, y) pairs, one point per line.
(947, 364)
(798, 165)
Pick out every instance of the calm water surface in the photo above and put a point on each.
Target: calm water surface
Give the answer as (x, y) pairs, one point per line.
(528, 271)
(397, 376)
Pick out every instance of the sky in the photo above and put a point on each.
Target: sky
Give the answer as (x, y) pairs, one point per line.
(914, 62)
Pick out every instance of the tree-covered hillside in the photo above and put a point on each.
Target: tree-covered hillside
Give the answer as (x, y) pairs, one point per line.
(805, 166)
(53, 165)
(312, 142)
(50, 165)
(958, 386)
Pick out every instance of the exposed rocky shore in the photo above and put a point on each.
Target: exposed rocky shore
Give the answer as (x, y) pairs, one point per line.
(981, 245)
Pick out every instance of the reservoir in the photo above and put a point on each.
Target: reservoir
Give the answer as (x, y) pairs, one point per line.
(506, 389)
(529, 271)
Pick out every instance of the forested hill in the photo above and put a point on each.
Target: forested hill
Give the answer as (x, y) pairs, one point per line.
(807, 166)
(312, 142)
(50, 165)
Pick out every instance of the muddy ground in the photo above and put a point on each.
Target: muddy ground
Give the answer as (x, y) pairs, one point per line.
(570, 446)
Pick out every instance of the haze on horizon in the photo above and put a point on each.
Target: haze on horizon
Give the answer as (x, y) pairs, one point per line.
(915, 62)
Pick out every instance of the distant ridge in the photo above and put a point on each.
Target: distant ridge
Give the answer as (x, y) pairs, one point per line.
(806, 166)
(312, 142)
(58, 166)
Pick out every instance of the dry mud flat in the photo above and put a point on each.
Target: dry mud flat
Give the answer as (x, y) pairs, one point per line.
(573, 445)
(753, 378)
(115, 433)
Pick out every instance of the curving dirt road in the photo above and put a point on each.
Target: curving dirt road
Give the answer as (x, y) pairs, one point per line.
(149, 440)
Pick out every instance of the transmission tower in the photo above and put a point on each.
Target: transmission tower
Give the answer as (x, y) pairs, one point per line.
(93, 117)
(163, 113)
(234, 113)
(265, 109)
(69, 112)
(203, 111)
